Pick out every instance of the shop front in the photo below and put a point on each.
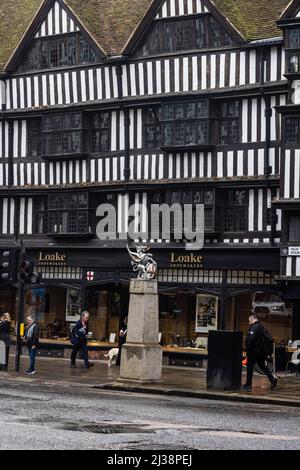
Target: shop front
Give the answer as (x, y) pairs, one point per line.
(197, 293)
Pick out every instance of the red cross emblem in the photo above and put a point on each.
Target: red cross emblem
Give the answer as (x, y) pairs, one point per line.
(90, 275)
(151, 269)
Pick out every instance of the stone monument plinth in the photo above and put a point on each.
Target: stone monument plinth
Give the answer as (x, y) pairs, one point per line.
(141, 359)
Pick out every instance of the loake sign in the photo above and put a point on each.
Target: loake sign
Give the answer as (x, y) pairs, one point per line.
(186, 261)
(52, 259)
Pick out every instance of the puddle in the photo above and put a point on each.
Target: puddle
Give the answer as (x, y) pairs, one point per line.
(96, 428)
(106, 428)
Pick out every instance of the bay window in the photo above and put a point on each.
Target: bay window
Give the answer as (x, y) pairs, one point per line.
(185, 124)
(292, 46)
(68, 214)
(62, 134)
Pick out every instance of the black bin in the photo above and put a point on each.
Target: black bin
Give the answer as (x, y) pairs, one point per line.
(224, 369)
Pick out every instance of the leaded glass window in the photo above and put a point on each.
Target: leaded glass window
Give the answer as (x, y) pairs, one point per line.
(292, 130)
(68, 214)
(59, 51)
(174, 35)
(62, 134)
(185, 123)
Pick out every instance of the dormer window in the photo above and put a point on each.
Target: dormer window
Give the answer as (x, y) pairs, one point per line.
(178, 34)
(59, 51)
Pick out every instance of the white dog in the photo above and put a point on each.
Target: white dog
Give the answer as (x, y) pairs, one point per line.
(112, 353)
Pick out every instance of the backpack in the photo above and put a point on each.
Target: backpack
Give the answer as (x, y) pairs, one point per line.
(267, 342)
(72, 334)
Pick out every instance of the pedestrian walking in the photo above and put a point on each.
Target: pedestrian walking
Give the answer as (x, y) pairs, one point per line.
(79, 340)
(122, 340)
(259, 346)
(32, 334)
(5, 337)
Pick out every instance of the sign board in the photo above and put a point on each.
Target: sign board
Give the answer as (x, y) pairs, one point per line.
(294, 250)
(90, 276)
(186, 260)
(52, 259)
(112, 338)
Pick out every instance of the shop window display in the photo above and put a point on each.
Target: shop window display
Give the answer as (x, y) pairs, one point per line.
(177, 316)
(48, 306)
(206, 313)
(35, 303)
(105, 308)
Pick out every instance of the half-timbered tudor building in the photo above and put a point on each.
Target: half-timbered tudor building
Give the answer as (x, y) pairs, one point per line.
(153, 101)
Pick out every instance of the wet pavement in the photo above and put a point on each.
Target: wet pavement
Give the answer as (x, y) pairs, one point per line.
(176, 381)
(37, 414)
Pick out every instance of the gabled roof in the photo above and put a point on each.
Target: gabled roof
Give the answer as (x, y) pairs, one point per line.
(112, 23)
(291, 9)
(15, 18)
(109, 22)
(254, 19)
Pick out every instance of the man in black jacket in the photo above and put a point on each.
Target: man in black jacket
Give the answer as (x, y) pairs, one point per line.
(256, 354)
(79, 340)
(32, 333)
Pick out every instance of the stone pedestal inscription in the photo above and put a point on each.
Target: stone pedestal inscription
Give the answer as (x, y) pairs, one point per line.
(141, 359)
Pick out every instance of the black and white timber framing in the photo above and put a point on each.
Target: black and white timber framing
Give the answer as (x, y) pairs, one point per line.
(259, 162)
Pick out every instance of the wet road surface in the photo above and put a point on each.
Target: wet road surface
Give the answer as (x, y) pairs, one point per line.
(59, 416)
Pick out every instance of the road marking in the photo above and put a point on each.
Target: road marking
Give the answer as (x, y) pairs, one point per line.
(247, 435)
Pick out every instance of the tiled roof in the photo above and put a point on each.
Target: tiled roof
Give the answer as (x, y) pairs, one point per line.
(15, 18)
(112, 22)
(254, 19)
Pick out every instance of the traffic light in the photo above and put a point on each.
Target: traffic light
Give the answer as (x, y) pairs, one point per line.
(8, 265)
(27, 273)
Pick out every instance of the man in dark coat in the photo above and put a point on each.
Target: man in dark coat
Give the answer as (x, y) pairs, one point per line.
(79, 340)
(256, 354)
(32, 333)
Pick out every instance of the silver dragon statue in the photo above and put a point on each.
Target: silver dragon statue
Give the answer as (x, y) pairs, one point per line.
(142, 262)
